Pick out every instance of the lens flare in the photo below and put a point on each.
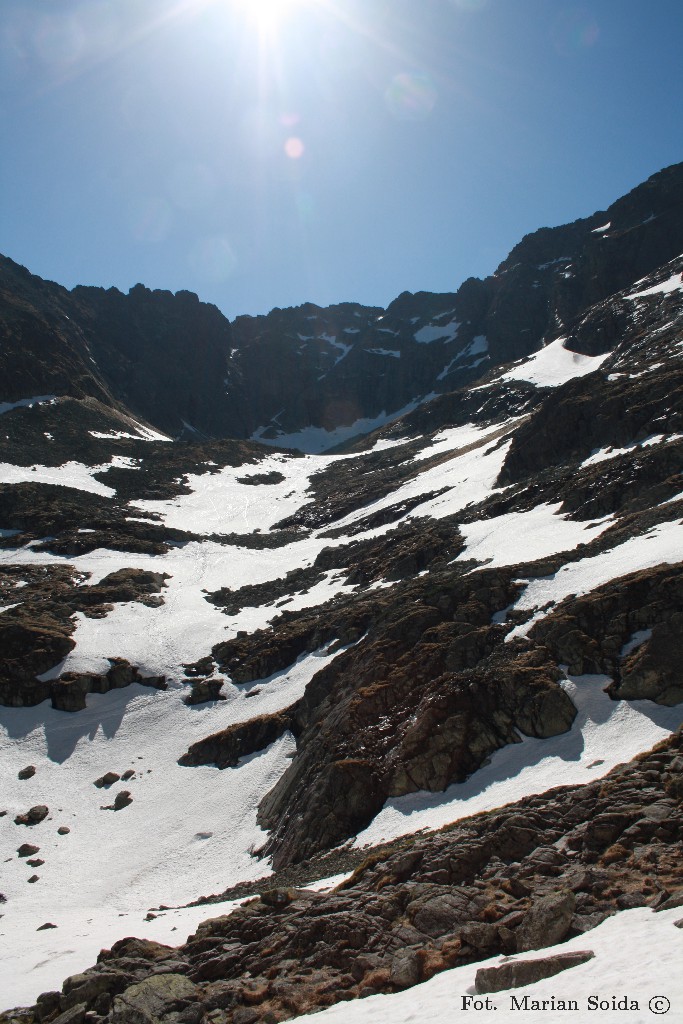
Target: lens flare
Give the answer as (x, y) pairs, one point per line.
(575, 30)
(411, 96)
(150, 219)
(213, 259)
(294, 148)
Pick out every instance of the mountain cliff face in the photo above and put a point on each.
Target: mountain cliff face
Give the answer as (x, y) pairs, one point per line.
(231, 669)
(312, 377)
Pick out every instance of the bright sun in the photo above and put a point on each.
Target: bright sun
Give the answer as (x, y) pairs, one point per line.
(269, 13)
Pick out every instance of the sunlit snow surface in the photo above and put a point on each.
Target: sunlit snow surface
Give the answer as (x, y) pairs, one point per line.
(71, 474)
(661, 544)
(554, 365)
(525, 536)
(189, 830)
(220, 503)
(187, 833)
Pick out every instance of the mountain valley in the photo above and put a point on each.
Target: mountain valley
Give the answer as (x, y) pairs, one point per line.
(354, 630)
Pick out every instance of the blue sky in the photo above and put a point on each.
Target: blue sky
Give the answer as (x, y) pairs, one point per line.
(269, 152)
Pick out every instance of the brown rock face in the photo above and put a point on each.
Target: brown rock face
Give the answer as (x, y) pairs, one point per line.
(225, 748)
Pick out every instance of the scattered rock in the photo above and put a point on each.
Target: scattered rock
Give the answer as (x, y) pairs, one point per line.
(671, 902)
(46, 926)
(122, 799)
(27, 850)
(417, 906)
(27, 773)
(63, 830)
(33, 816)
(108, 779)
(33, 878)
(35, 862)
(525, 972)
(204, 690)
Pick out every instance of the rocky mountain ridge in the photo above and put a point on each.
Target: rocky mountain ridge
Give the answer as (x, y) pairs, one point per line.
(178, 365)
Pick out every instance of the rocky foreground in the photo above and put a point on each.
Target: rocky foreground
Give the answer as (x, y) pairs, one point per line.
(525, 877)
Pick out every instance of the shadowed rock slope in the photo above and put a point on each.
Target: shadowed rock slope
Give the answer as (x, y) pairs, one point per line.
(178, 364)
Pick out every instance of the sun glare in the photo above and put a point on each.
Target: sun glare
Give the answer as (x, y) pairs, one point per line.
(268, 14)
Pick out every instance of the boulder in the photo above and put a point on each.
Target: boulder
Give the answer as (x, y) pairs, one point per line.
(122, 799)
(148, 1001)
(33, 816)
(27, 850)
(27, 773)
(74, 1015)
(440, 914)
(204, 690)
(405, 969)
(85, 988)
(547, 922)
(108, 779)
(68, 693)
(517, 973)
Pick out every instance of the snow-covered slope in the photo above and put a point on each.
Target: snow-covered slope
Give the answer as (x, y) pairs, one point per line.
(474, 603)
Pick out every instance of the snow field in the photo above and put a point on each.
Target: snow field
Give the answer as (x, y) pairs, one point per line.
(470, 475)
(189, 830)
(604, 454)
(219, 503)
(525, 536)
(316, 440)
(672, 284)
(73, 946)
(661, 544)
(71, 474)
(187, 833)
(28, 403)
(554, 365)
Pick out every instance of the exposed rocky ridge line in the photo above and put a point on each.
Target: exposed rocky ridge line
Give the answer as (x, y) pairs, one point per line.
(178, 364)
(521, 878)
